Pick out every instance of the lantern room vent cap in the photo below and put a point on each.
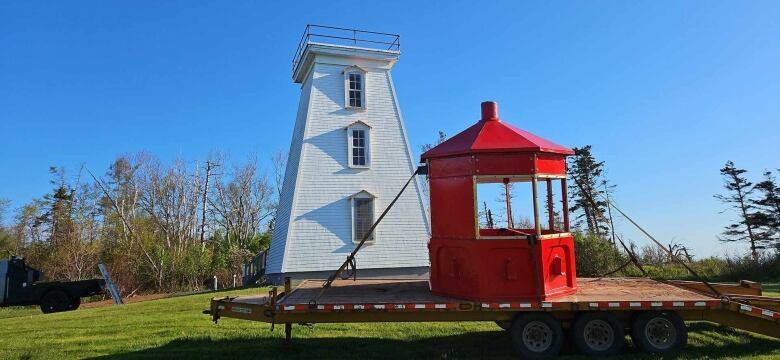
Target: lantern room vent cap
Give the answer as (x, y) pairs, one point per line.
(490, 111)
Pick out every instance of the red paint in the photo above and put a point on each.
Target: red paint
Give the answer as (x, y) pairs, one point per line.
(491, 135)
(464, 263)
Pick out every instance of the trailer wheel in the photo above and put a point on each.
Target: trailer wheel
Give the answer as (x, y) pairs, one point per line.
(537, 335)
(55, 301)
(598, 334)
(75, 303)
(659, 332)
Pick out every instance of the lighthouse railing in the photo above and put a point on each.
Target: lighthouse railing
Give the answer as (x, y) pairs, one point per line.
(345, 37)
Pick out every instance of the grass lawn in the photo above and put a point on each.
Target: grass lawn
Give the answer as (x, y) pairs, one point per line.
(176, 328)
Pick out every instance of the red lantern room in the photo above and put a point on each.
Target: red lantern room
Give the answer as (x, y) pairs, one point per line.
(527, 256)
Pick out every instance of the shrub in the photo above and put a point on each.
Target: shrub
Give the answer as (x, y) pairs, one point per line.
(596, 256)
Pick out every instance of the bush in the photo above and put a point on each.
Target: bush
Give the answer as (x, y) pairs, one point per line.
(596, 256)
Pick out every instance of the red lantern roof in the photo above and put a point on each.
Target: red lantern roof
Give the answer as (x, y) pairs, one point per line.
(490, 134)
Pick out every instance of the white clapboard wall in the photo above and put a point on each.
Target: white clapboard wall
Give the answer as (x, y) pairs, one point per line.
(313, 231)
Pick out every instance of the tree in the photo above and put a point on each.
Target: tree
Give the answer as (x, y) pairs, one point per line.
(442, 138)
(767, 206)
(738, 198)
(585, 193)
(279, 166)
(6, 238)
(145, 221)
(4, 205)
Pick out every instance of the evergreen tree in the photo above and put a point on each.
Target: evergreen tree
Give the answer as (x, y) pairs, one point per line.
(767, 215)
(738, 198)
(442, 138)
(586, 196)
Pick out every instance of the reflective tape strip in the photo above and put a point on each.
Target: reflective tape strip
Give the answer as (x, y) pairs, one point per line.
(700, 303)
(504, 306)
(485, 306)
(547, 305)
(656, 304)
(359, 307)
(440, 306)
(338, 307)
(613, 305)
(745, 307)
(379, 306)
(399, 306)
(320, 307)
(635, 304)
(768, 313)
(419, 306)
(594, 305)
(525, 305)
(289, 307)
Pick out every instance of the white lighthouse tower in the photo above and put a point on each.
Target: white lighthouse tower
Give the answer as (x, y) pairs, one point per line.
(348, 158)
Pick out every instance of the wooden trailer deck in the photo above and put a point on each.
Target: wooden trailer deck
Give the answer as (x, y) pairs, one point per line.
(395, 292)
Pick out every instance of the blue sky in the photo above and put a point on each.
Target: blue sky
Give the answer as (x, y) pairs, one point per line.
(665, 91)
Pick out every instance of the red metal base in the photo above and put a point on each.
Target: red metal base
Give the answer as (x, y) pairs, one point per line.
(502, 270)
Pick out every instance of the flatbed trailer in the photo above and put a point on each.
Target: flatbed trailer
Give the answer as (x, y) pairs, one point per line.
(614, 300)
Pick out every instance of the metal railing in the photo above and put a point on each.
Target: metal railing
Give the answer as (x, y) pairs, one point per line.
(348, 37)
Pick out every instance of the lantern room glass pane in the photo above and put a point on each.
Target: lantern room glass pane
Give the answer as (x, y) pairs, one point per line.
(493, 214)
(491, 198)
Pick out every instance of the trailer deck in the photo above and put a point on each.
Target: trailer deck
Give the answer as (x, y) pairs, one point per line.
(625, 301)
(411, 300)
(385, 294)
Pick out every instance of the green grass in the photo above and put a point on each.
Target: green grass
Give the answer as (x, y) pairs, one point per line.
(176, 328)
(19, 311)
(771, 289)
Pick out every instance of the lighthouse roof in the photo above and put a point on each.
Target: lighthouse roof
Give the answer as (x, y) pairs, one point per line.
(490, 134)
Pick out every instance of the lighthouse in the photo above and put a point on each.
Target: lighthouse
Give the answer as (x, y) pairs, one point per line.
(348, 157)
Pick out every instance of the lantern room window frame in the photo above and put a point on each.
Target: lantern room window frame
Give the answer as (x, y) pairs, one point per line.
(537, 222)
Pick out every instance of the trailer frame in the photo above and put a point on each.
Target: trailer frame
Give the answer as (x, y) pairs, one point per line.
(633, 296)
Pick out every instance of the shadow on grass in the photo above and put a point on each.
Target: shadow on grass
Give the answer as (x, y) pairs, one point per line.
(707, 341)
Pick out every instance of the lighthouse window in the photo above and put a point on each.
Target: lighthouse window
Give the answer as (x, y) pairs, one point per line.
(355, 90)
(363, 217)
(358, 144)
(359, 147)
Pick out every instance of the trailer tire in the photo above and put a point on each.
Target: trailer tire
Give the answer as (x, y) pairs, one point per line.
(537, 335)
(75, 302)
(659, 332)
(598, 334)
(55, 301)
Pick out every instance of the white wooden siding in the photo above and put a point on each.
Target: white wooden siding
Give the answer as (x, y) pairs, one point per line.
(277, 250)
(316, 234)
